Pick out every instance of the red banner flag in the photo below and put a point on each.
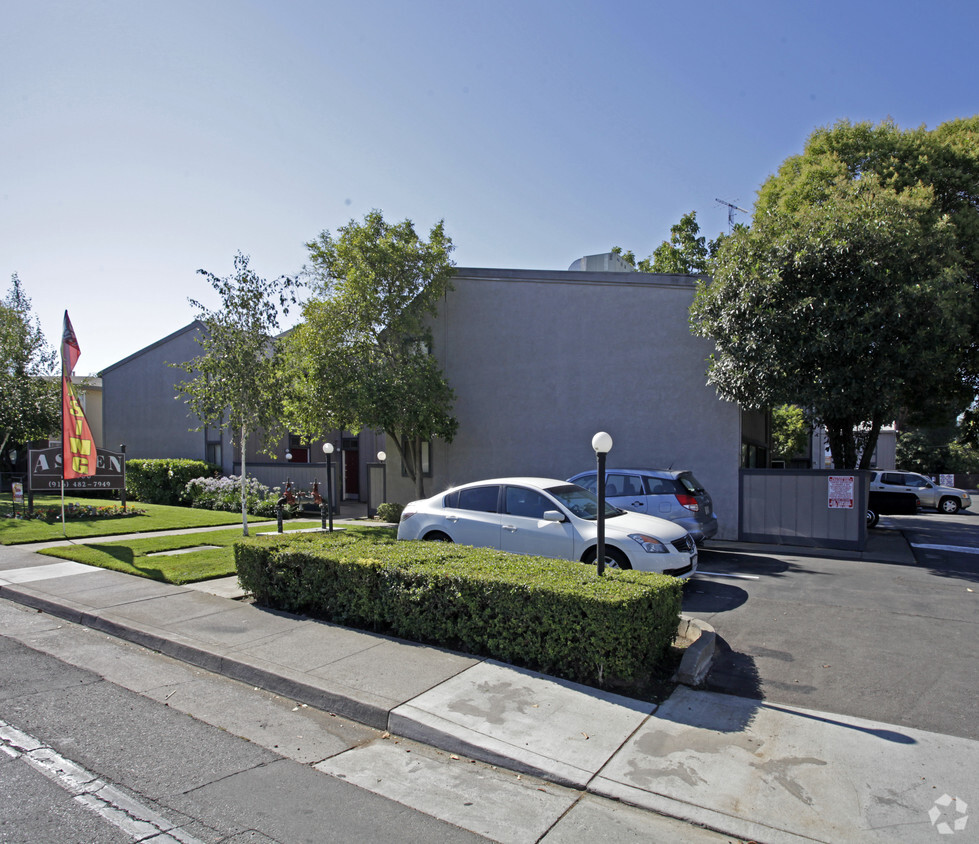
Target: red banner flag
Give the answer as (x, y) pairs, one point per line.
(77, 443)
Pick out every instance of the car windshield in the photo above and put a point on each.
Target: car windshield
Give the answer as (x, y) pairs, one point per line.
(691, 483)
(582, 502)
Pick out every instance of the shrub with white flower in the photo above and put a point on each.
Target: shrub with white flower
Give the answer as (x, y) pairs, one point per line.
(224, 493)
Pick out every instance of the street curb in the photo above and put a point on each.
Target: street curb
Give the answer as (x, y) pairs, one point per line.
(277, 679)
(698, 655)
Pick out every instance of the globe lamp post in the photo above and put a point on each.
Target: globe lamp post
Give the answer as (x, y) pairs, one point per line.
(328, 451)
(602, 444)
(381, 457)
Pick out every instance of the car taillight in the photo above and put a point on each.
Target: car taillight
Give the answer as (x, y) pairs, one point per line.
(688, 501)
(406, 514)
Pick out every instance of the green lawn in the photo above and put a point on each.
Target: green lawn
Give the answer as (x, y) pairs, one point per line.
(157, 517)
(133, 556)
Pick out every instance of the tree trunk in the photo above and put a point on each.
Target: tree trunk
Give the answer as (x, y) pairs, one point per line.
(419, 474)
(870, 443)
(244, 498)
(841, 443)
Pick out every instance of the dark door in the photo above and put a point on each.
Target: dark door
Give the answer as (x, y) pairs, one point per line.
(351, 473)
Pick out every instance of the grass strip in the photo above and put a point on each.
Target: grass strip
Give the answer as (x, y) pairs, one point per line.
(156, 517)
(137, 556)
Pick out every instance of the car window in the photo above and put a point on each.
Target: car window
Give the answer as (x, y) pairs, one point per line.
(589, 482)
(481, 498)
(660, 486)
(916, 481)
(620, 484)
(691, 483)
(521, 501)
(582, 502)
(895, 478)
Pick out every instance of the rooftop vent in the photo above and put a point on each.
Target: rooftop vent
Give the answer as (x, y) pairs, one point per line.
(607, 262)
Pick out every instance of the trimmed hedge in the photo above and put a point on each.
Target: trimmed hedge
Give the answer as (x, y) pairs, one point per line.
(553, 616)
(163, 481)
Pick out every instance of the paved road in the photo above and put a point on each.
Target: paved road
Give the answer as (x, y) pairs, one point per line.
(874, 640)
(155, 766)
(948, 546)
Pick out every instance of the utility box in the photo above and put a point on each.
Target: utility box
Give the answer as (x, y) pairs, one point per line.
(808, 507)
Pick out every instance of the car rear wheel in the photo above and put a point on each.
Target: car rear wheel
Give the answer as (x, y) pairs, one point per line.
(872, 518)
(437, 536)
(614, 558)
(949, 505)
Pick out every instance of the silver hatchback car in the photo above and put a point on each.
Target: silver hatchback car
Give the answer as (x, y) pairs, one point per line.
(670, 494)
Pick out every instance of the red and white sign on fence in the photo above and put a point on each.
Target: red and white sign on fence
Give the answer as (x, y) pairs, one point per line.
(841, 492)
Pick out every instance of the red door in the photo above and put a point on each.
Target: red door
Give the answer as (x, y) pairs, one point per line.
(351, 473)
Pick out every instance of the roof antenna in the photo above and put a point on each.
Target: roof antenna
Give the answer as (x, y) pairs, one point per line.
(731, 208)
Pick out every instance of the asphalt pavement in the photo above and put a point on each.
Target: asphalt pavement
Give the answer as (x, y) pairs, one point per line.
(890, 637)
(748, 767)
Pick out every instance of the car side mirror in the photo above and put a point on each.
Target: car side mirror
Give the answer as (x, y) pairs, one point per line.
(553, 516)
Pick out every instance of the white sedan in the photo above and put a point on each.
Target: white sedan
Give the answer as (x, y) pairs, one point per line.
(549, 518)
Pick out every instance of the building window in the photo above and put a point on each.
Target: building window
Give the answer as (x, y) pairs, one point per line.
(213, 452)
(299, 452)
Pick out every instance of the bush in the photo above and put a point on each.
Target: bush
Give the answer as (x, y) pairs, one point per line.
(163, 481)
(224, 493)
(76, 512)
(390, 512)
(553, 616)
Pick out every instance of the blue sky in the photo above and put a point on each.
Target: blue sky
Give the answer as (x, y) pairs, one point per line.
(144, 140)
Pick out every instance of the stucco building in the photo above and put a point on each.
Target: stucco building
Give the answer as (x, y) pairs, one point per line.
(542, 360)
(539, 361)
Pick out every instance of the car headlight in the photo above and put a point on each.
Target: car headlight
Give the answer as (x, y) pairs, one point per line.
(650, 544)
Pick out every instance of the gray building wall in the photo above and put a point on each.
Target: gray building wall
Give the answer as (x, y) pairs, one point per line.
(139, 407)
(542, 360)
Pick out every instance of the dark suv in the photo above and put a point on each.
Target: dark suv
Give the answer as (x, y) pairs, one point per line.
(667, 493)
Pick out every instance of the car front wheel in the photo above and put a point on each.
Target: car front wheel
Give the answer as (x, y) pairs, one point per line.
(949, 505)
(614, 558)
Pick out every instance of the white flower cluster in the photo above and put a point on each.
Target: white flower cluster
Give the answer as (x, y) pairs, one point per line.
(224, 493)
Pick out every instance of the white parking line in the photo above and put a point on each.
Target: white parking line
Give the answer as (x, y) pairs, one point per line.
(960, 549)
(132, 817)
(721, 574)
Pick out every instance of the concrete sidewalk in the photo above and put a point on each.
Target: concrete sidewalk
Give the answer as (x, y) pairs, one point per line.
(749, 769)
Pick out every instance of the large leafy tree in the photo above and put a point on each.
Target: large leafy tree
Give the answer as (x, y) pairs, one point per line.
(30, 403)
(853, 293)
(238, 380)
(361, 357)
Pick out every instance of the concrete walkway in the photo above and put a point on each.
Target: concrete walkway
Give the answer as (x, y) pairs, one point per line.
(748, 769)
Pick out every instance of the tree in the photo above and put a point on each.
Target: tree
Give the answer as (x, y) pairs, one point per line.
(790, 432)
(238, 378)
(361, 357)
(849, 295)
(30, 403)
(935, 451)
(687, 252)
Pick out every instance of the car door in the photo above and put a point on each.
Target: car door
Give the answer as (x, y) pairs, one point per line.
(922, 487)
(472, 516)
(661, 498)
(524, 530)
(625, 490)
(900, 482)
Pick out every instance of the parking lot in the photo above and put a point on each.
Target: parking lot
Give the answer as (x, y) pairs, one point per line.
(891, 641)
